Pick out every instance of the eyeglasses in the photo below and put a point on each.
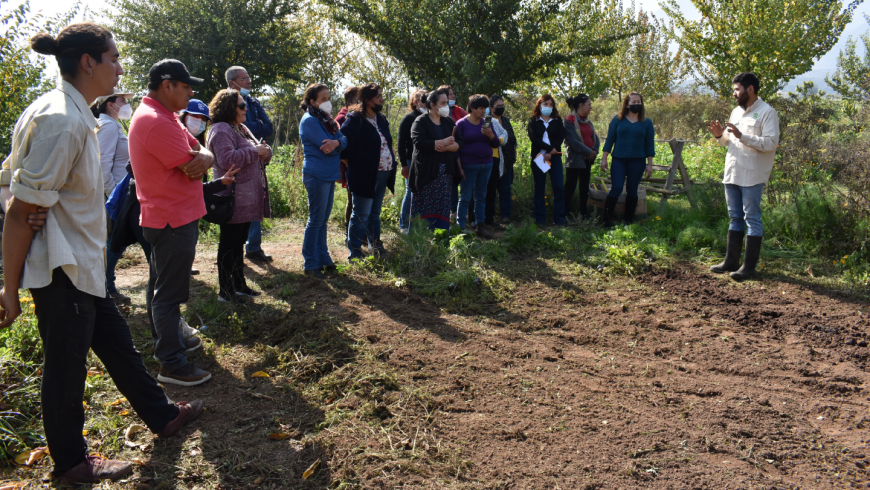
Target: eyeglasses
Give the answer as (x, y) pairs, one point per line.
(244, 79)
(243, 106)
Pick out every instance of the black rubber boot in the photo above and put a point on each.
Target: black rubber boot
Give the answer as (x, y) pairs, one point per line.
(609, 208)
(732, 254)
(630, 207)
(750, 259)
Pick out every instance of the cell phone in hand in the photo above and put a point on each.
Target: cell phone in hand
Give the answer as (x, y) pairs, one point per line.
(487, 122)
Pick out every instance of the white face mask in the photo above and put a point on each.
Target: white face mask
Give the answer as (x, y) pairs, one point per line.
(326, 107)
(444, 111)
(195, 126)
(125, 112)
(421, 109)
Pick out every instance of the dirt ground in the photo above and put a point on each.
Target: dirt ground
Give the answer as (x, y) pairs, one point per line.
(674, 379)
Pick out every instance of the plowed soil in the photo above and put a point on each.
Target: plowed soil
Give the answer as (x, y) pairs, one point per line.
(674, 379)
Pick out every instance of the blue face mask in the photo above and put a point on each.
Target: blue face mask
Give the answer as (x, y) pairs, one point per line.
(245, 92)
(451, 103)
(545, 110)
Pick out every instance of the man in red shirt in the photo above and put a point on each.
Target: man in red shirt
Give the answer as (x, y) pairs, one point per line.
(168, 165)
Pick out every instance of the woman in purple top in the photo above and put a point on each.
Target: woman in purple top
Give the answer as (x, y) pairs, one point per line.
(476, 160)
(233, 145)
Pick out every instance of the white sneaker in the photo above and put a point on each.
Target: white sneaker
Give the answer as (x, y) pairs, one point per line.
(187, 330)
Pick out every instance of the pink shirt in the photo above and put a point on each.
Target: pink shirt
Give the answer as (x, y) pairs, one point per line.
(158, 144)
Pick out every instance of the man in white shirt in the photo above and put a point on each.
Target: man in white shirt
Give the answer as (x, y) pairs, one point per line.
(751, 136)
(55, 164)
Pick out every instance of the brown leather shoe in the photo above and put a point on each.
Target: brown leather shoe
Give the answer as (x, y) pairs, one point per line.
(94, 468)
(187, 411)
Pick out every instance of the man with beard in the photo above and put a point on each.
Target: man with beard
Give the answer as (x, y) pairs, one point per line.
(751, 136)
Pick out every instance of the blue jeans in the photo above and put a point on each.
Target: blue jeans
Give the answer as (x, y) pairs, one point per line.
(255, 238)
(476, 178)
(404, 217)
(505, 183)
(365, 219)
(557, 180)
(744, 204)
(626, 168)
(320, 195)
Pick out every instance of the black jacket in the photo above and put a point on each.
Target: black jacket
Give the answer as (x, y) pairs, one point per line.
(426, 161)
(509, 150)
(556, 131)
(406, 145)
(125, 226)
(363, 153)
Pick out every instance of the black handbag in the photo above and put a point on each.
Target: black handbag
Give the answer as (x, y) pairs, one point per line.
(219, 209)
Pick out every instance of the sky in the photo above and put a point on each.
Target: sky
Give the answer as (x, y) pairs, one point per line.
(827, 64)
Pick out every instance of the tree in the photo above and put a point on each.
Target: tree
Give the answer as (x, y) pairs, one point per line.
(852, 78)
(209, 36)
(23, 75)
(644, 62)
(775, 39)
(581, 23)
(476, 46)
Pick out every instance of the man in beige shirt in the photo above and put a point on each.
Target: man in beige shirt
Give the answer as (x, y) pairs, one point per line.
(752, 136)
(55, 163)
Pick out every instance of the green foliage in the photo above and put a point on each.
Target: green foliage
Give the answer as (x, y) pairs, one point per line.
(23, 75)
(209, 36)
(581, 23)
(478, 47)
(775, 39)
(852, 78)
(644, 63)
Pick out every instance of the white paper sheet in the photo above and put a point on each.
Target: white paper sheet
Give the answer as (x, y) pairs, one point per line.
(541, 163)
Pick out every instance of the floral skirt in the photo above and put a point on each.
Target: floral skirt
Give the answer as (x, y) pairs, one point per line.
(432, 203)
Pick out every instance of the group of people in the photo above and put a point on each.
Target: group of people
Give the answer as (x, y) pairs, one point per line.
(457, 163)
(70, 154)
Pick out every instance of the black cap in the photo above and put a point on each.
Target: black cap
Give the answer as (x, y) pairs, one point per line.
(172, 70)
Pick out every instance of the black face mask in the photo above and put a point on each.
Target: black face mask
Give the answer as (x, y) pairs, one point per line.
(635, 108)
(377, 107)
(498, 111)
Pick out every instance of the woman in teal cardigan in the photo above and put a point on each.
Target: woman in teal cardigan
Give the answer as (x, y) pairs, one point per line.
(634, 137)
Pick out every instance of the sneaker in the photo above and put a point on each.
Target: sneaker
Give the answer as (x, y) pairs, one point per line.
(120, 299)
(95, 468)
(187, 330)
(405, 231)
(329, 268)
(236, 299)
(184, 376)
(246, 291)
(505, 221)
(194, 271)
(187, 411)
(193, 343)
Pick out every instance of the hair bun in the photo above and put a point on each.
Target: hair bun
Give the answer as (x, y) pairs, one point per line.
(44, 43)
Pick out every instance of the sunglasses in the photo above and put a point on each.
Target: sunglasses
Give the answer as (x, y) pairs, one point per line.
(243, 106)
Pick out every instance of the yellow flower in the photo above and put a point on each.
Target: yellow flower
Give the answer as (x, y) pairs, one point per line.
(842, 261)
